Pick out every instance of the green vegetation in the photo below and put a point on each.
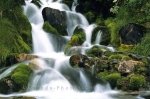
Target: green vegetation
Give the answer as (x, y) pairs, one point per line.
(143, 47)
(112, 78)
(21, 75)
(15, 29)
(49, 28)
(137, 82)
(77, 39)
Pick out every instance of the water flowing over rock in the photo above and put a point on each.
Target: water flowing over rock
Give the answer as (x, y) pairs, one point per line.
(131, 33)
(56, 18)
(104, 37)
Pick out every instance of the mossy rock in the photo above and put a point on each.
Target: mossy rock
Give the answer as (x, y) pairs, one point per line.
(134, 82)
(95, 51)
(49, 28)
(119, 57)
(21, 75)
(112, 78)
(77, 39)
(137, 82)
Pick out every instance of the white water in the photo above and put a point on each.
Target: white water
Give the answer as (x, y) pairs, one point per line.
(98, 37)
(56, 79)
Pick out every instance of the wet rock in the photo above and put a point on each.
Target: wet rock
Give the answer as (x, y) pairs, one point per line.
(104, 35)
(131, 33)
(24, 57)
(145, 95)
(80, 60)
(56, 18)
(128, 66)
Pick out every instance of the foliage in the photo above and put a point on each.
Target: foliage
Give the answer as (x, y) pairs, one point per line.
(112, 78)
(143, 47)
(21, 75)
(136, 82)
(14, 44)
(125, 48)
(49, 28)
(123, 83)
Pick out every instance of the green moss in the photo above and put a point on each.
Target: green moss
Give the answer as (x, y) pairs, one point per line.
(112, 78)
(49, 28)
(77, 39)
(95, 51)
(137, 82)
(21, 75)
(119, 57)
(123, 83)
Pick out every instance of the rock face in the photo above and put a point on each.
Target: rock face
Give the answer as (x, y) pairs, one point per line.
(56, 18)
(131, 33)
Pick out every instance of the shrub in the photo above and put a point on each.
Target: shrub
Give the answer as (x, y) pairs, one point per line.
(143, 47)
(112, 78)
(137, 82)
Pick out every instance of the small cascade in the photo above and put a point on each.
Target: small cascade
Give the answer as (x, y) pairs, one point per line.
(88, 30)
(98, 37)
(74, 5)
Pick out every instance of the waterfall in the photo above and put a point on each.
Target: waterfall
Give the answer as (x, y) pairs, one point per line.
(98, 37)
(56, 79)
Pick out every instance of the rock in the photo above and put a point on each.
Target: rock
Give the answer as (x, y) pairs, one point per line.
(24, 57)
(104, 37)
(131, 33)
(145, 95)
(80, 60)
(56, 18)
(75, 42)
(128, 66)
(37, 64)
(74, 50)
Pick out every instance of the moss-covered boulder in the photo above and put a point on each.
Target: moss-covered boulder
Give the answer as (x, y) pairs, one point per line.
(49, 28)
(21, 76)
(17, 80)
(81, 61)
(112, 78)
(77, 39)
(132, 82)
(56, 19)
(96, 51)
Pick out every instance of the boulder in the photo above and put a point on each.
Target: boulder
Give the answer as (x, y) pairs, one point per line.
(131, 33)
(126, 67)
(80, 60)
(24, 57)
(56, 18)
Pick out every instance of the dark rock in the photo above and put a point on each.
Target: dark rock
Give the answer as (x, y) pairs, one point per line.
(145, 95)
(131, 33)
(81, 61)
(105, 36)
(56, 18)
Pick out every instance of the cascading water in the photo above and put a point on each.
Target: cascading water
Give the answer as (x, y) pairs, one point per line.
(56, 79)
